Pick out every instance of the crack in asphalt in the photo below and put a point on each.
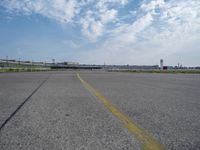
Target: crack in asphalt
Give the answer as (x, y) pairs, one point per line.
(22, 104)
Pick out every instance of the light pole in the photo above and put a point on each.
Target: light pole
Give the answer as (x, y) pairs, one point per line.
(7, 60)
(31, 65)
(53, 61)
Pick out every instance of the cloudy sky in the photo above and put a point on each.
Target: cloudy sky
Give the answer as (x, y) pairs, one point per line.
(101, 31)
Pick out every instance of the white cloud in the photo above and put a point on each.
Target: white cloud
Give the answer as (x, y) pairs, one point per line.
(179, 21)
(108, 15)
(128, 33)
(60, 10)
(94, 23)
(94, 28)
(153, 5)
(90, 27)
(161, 30)
(101, 4)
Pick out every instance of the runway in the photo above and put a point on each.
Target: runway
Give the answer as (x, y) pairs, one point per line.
(99, 110)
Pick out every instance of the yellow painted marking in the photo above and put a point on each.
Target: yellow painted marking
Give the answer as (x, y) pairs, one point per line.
(147, 141)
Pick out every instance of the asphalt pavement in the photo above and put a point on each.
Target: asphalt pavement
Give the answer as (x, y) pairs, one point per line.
(56, 111)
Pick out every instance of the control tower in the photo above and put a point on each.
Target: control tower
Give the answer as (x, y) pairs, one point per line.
(161, 64)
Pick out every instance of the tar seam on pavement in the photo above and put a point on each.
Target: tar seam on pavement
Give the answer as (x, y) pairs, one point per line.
(20, 106)
(146, 139)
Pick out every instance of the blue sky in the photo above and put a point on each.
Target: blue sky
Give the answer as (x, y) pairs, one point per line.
(96, 31)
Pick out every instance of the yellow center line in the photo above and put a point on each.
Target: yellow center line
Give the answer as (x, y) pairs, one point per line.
(147, 141)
